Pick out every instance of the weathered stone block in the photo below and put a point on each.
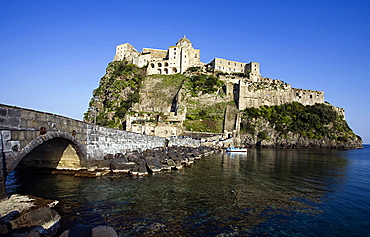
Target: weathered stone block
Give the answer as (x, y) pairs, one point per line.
(6, 135)
(3, 112)
(11, 146)
(16, 113)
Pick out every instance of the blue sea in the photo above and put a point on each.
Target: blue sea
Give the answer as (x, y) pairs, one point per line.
(265, 192)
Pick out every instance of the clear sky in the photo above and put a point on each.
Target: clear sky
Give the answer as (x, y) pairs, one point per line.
(53, 53)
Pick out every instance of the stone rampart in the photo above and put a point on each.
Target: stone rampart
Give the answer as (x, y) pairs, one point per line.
(274, 92)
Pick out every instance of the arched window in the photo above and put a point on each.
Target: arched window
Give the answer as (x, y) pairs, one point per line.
(166, 64)
(152, 65)
(159, 64)
(159, 71)
(166, 71)
(174, 70)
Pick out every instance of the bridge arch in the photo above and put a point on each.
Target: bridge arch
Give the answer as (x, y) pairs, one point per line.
(49, 140)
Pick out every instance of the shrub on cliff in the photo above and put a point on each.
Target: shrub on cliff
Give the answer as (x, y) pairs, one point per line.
(311, 121)
(118, 90)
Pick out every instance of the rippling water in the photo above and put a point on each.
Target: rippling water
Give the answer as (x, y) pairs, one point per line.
(265, 192)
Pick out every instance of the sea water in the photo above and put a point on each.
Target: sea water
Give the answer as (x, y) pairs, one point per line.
(264, 192)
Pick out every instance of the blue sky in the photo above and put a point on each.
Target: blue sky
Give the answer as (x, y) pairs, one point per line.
(53, 53)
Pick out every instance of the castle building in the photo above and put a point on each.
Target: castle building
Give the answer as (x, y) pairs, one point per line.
(178, 58)
(254, 92)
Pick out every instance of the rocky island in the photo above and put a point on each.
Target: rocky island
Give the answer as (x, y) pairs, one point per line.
(171, 92)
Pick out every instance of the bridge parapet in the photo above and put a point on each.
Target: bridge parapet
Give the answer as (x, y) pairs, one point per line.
(25, 124)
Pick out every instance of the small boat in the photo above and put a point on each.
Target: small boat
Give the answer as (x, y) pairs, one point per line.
(233, 149)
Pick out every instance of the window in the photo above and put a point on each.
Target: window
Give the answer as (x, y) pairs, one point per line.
(195, 56)
(174, 53)
(228, 63)
(235, 64)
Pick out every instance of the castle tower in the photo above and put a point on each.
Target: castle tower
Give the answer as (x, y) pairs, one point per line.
(179, 58)
(125, 51)
(254, 71)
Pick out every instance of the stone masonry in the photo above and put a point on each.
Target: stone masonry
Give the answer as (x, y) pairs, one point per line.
(55, 141)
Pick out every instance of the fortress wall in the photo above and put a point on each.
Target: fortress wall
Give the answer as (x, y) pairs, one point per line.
(307, 97)
(275, 92)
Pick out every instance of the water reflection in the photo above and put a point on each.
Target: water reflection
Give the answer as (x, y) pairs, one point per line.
(252, 193)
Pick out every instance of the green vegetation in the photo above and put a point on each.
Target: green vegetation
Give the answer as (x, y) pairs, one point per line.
(163, 88)
(205, 118)
(202, 83)
(117, 92)
(316, 121)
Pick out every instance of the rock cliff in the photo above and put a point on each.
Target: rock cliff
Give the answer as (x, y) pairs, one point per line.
(204, 101)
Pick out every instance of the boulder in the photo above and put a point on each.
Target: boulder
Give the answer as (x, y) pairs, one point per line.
(109, 157)
(171, 163)
(119, 156)
(123, 167)
(153, 164)
(88, 231)
(104, 164)
(105, 231)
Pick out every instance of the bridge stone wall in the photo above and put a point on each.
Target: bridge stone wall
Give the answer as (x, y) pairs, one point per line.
(102, 141)
(20, 134)
(30, 121)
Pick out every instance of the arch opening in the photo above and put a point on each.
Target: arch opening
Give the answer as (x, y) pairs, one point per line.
(56, 153)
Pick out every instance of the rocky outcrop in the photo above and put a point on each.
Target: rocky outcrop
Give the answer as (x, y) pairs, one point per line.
(293, 141)
(23, 215)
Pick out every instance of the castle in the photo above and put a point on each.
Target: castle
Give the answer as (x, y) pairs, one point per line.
(243, 84)
(250, 91)
(178, 58)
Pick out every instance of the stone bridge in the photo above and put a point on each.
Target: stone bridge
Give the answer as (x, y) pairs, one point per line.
(37, 139)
